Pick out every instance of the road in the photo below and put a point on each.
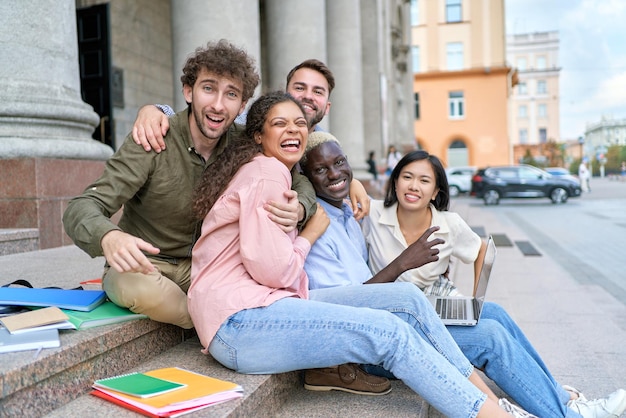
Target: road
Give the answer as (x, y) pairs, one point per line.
(586, 235)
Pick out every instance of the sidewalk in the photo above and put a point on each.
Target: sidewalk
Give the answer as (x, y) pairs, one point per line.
(576, 335)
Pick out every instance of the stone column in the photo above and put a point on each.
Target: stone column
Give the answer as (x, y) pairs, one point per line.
(345, 60)
(196, 22)
(41, 110)
(296, 31)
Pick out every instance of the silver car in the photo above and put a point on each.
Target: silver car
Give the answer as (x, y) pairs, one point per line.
(460, 179)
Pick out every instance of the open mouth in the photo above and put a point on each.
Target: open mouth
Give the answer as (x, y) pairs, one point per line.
(291, 145)
(338, 185)
(215, 121)
(409, 197)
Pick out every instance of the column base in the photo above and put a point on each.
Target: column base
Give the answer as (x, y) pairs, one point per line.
(34, 193)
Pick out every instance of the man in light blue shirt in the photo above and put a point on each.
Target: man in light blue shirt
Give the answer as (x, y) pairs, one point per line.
(495, 345)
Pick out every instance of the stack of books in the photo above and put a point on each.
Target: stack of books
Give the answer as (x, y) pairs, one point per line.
(169, 392)
(37, 327)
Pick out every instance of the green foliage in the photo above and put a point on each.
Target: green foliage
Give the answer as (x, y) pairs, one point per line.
(529, 159)
(614, 156)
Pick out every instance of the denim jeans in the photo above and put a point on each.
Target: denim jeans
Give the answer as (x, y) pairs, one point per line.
(499, 347)
(391, 324)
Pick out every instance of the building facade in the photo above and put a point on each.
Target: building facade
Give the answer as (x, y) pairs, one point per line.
(601, 135)
(461, 81)
(534, 117)
(131, 52)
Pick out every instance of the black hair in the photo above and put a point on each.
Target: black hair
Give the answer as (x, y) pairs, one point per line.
(442, 200)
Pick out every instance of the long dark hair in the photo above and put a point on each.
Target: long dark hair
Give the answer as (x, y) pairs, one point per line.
(240, 150)
(442, 200)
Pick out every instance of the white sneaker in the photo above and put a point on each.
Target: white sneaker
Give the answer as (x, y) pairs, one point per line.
(571, 389)
(514, 410)
(610, 407)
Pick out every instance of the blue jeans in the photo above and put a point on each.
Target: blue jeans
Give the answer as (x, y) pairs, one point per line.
(390, 324)
(499, 347)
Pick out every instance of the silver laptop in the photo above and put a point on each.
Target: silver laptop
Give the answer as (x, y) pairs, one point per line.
(455, 310)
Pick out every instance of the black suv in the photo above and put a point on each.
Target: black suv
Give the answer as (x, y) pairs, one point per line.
(493, 183)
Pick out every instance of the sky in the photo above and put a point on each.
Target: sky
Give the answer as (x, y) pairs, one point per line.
(592, 55)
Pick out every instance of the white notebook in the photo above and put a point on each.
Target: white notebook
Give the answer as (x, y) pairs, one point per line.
(34, 340)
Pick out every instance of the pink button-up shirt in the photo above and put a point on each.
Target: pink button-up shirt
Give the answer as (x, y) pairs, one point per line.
(243, 259)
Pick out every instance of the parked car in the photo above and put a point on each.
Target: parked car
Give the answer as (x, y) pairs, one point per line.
(460, 179)
(562, 172)
(493, 183)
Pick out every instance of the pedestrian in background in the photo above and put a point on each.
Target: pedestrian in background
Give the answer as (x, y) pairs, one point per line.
(371, 165)
(393, 156)
(584, 175)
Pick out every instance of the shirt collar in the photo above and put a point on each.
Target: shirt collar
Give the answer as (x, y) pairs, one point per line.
(333, 211)
(388, 217)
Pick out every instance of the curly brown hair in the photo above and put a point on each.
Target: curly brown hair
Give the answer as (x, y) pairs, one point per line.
(238, 152)
(224, 59)
(215, 178)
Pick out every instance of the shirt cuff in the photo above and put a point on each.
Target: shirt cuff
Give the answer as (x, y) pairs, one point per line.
(165, 109)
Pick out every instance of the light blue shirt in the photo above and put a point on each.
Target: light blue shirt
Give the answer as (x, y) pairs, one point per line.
(339, 256)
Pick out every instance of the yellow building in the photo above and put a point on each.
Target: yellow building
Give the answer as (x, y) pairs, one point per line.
(461, 81)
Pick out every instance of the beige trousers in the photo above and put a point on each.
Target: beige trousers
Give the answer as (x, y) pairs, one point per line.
(161, 295)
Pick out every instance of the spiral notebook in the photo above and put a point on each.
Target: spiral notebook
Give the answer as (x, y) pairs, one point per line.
(138, 384)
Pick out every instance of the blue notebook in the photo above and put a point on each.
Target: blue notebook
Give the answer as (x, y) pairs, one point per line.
(78, 300)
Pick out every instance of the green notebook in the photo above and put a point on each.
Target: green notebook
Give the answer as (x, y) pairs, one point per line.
(107, 313)
(138, 384)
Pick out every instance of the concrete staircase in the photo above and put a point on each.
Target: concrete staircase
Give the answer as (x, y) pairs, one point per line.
(14, 240)
(55, 382)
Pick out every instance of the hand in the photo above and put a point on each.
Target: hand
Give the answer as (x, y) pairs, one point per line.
(150, 127)
(359, 200)
(286, 215)
(316, 225)
(124, 253)
(421, 251)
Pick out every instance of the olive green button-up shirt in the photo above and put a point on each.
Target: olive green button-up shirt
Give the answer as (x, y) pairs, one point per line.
(155, 191)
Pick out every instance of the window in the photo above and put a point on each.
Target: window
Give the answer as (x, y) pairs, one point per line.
(415, 56)
(543, 135)
(523, 136)
(542, 111)
(541, 62)
(528, 173)
(522, 89)
(453, 11)
(522, 111)
(541, 87)
(416, 103)
(456, 105)
(521, 64)
(454, 53)
(415, 13)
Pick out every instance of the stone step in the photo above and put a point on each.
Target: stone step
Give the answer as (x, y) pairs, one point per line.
(18, 240)
(264, 395)
(35, 383)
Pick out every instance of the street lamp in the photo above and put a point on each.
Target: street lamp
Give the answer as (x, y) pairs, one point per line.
(581, 141)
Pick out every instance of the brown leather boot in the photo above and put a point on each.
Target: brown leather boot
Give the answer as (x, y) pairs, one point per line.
(348, 378)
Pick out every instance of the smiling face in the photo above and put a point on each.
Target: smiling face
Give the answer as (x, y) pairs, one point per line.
(328, 170)
(215, 103)
(310, 88)
(416, 185)
(284, 134)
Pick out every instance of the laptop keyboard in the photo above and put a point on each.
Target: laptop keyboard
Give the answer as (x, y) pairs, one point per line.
(451, 308)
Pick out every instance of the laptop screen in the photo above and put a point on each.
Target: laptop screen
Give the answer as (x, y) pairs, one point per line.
(485, 272)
